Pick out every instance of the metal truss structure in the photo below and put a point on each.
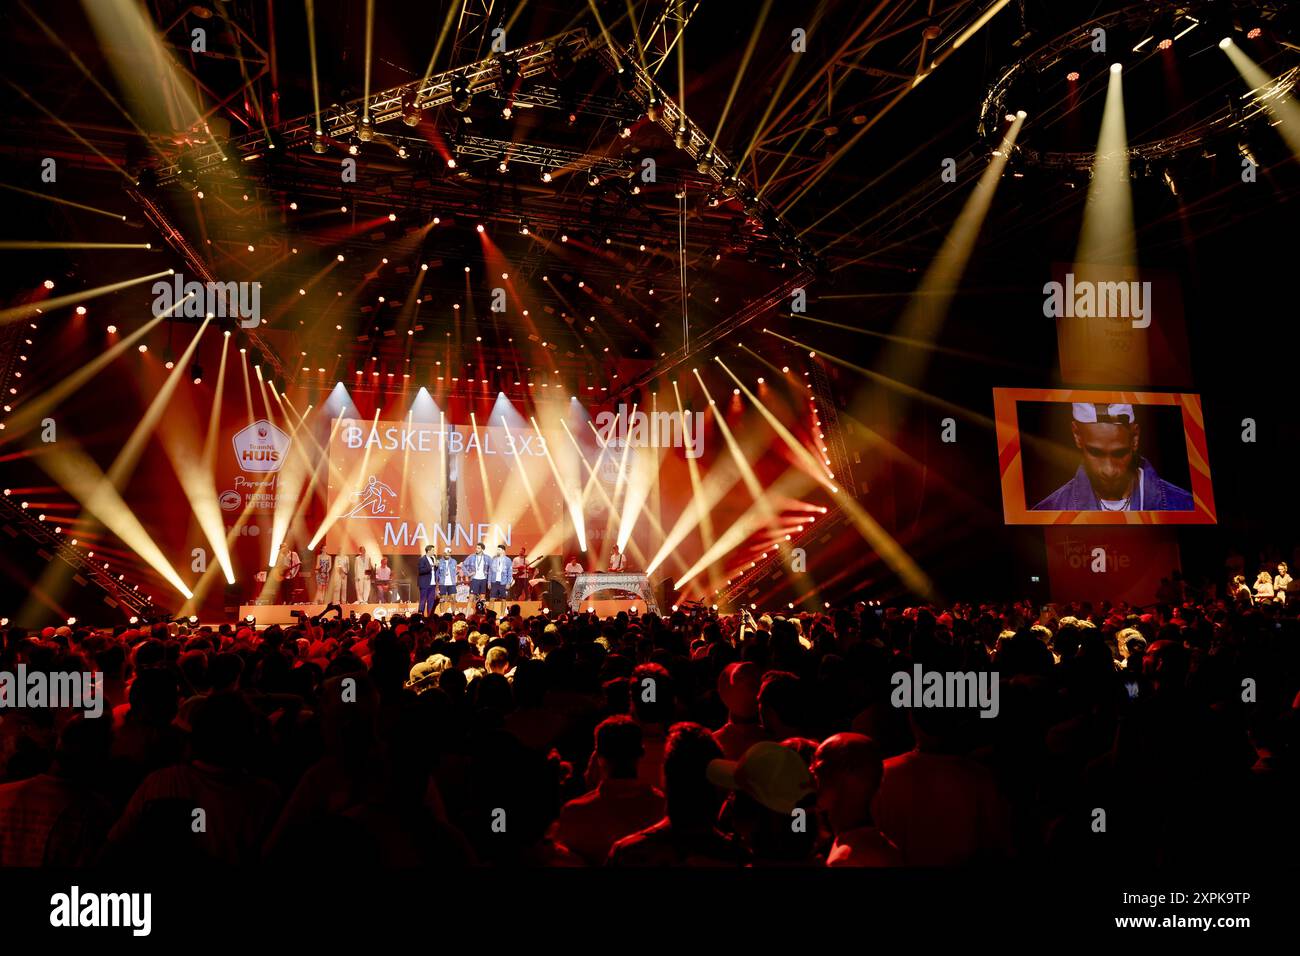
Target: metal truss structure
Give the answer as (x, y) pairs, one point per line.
(177, 241)
(666, 32)
(337, 122)
(719, 331)
(750, 584)
(87, 570)
(1187, 15)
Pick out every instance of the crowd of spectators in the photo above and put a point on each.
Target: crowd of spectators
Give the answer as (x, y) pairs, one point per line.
(1165, 735)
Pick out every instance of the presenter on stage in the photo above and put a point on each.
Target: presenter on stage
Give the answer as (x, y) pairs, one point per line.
(361, 575)
(425, 572)
(501, 576)
(617, 561)
(476, 569)
(447, 569)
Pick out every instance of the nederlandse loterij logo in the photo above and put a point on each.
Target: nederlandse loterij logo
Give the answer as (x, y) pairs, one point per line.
(222, 300)
(261, 447)
(946, 689)
(74, 690)
(75, 908)
(1085, 299)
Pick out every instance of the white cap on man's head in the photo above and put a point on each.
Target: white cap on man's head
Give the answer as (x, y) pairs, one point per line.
(1091, 412)
(446, 550)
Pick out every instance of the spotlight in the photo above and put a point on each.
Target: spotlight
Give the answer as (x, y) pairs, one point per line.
(366, 131)
(1073, 76)
(1225, 43)
(1254, 33)
(593, 179)
(410, 113)
(49, 283)
(653, 110)
(502, 165)
(479, 227)
(706, 163)
(523, 227)
(196, 373)
(460, 94)
(1116, 67)
(546, 175)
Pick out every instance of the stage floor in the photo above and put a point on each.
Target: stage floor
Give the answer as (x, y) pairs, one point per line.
(264, 615)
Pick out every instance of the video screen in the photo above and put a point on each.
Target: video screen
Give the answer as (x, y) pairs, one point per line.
(1072, 456)
(395, 487)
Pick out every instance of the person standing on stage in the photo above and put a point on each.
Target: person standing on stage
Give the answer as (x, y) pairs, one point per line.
(338, 589)
(447, 569)
(501, 575)
(1281, 583)
(424, 577)
(617, 561)
(361, 575)
(323, 565)
(476, 569)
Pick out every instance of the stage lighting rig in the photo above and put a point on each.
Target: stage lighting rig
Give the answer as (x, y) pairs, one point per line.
(460, 93)
(507, 75)
(410, 112)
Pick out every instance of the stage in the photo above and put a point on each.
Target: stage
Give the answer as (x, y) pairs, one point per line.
(264, 615)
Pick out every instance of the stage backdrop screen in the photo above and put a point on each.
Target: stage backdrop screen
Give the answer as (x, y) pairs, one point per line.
(397, 486)
(1074, 456)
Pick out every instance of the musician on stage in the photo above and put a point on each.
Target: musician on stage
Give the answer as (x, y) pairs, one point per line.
(476, 569)
(617, 561)
(289, 566)
(383, 580)
(426, 571)
(572, 568)
(447, 573)
(519, 567)
(501, 575)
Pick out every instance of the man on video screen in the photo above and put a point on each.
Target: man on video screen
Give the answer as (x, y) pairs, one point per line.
(1112, 475)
